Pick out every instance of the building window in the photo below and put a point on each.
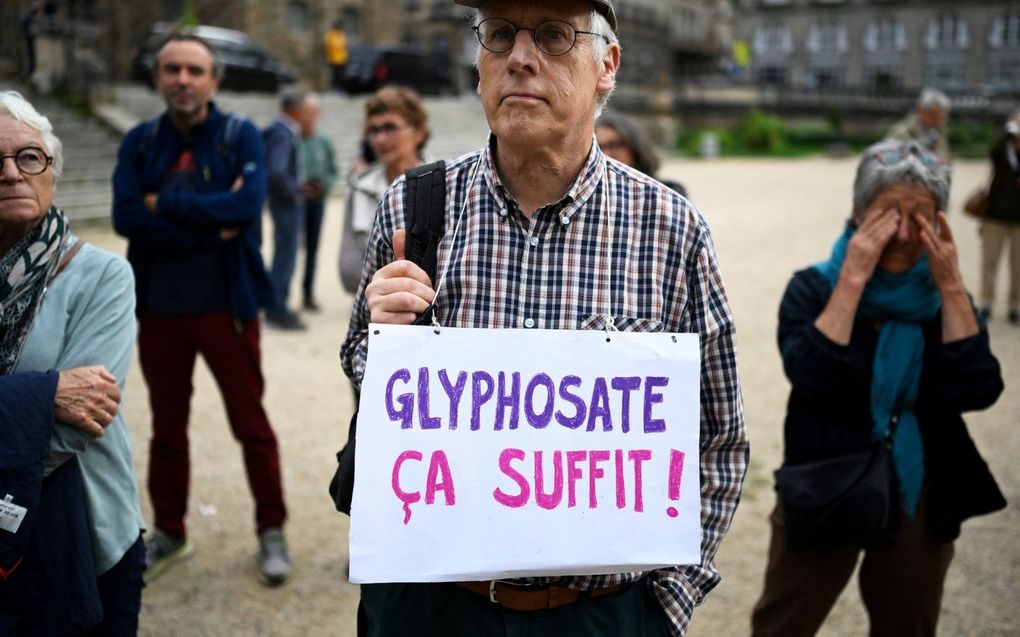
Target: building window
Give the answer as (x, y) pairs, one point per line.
(770, 75)
(773, 38)
(1004, 73)
(886, 34)
(352, 20)
(827, 36)
(824, 77)
(883, 80)
(947, 31)
(298, 18)
(1005, 33)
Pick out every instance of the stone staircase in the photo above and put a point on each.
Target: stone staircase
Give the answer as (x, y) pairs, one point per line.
(90, 144)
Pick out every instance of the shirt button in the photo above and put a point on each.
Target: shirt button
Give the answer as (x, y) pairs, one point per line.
(534, 242)
(529, 323)
(565, 221)
(502, 212)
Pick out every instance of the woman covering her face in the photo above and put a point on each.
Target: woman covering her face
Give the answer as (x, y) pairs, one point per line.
(884, 329)
(71, 554)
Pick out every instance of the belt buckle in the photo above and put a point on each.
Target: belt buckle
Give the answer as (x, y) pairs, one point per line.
(492, 591)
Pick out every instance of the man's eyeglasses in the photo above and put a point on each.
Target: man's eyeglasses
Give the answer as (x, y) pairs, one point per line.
(385, 130)
(552, 37)
(29, 160)
(893, 156)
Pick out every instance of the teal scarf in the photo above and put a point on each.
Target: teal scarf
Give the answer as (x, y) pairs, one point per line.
(900, 302)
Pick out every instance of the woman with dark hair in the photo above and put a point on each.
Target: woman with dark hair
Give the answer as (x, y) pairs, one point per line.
(396, 127)
(627, 143)
(881, 342)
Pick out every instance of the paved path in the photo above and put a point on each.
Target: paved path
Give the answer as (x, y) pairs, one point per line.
(769, 218)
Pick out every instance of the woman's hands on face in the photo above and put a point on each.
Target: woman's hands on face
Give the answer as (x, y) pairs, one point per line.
(943, 259)
(87, 398)
(868, 243)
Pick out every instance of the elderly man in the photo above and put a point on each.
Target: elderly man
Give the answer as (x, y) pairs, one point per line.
(545, 232)
(927, 124)
(188, 193)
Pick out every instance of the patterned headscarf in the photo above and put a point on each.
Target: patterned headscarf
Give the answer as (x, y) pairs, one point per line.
(25, 272)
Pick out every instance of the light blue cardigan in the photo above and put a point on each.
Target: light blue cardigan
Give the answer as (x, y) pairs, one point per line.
(87, 318)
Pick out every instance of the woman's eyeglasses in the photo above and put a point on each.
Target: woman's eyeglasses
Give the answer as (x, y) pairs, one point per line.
(893, 156)
(30, 160)
(552, 37)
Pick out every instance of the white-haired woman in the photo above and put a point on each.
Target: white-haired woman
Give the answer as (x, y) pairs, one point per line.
(884, 327)
(71, 555)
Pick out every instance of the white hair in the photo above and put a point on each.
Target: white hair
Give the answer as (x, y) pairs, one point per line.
(892, 162)
(933, 98)
(604, 36)
(14, 104)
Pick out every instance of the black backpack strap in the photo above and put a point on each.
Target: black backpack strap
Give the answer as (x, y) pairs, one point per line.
(425, 220)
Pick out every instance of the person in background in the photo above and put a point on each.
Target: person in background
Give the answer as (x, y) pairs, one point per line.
(320, 174)
(1001, 226)
(396, 126)
(885, 327)
(626, 142)
(28, 36)
(187, 194)
(286, 194)
(74, 562)
(926, 126)
(335, 45)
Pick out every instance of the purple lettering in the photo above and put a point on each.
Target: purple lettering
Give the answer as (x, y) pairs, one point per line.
(479, 396)
(600, 406)
(621, 487)
(573, 475)
(407, 498)
(424, 419)
(652, 397)
(508, 400)
(581, 410)
(540, 420)
(454, 392)
(625, 385)
(440, 465)
(637, 456)
(594, 473)
(406, 401)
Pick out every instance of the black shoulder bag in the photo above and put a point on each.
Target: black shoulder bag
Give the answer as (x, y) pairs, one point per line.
(425, 221)
(850, 501)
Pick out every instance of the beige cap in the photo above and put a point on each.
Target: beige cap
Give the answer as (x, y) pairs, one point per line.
(605, 7)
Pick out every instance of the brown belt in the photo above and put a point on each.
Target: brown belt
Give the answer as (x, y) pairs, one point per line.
(529, 599)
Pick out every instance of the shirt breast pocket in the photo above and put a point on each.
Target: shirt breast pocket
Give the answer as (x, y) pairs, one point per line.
(621, 323)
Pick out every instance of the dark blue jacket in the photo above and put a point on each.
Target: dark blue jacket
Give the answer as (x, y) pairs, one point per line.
(51, 588)
(283, 160)
(188, 221)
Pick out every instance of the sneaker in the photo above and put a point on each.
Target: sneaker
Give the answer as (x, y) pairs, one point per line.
(274, 561)
(288, 322)
(1014, 317)
(162, 550)
(311, 305)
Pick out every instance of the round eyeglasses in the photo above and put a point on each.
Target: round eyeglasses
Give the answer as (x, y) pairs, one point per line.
(552, 37)
(30, 160)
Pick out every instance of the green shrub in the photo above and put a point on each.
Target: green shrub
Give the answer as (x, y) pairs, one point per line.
(760, 133)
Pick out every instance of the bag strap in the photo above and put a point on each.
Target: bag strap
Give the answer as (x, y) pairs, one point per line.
(425, 220)
(67, 257)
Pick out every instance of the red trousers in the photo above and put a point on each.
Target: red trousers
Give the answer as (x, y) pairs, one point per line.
(168, 346)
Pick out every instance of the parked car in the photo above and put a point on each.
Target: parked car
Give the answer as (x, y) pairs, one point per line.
(246, 66)
(370, 67)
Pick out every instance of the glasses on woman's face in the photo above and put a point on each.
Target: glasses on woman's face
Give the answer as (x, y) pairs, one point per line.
(552, 37)
(385, 130)
(29, 160)
(891, 156)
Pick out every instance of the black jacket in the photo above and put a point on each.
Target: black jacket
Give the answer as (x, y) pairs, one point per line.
(1004, 192)
(829, 410)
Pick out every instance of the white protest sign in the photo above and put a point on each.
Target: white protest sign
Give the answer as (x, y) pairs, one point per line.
(487, 454)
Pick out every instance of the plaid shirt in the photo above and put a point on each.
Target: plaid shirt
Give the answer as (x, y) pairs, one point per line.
(617, 247)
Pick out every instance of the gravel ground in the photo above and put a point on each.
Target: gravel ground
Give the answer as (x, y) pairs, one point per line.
(769, 218)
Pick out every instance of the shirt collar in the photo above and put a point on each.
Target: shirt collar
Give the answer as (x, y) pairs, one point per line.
(569, 204)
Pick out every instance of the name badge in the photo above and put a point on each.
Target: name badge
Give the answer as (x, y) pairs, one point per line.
(11, 514)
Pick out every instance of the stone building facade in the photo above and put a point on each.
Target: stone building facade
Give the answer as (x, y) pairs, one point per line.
(884, 46)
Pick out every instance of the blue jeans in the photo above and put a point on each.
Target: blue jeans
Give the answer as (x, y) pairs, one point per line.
(287, 222)
(314, 209)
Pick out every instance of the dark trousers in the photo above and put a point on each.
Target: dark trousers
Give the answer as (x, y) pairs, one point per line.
(314, 210)
(167, 347)
(337, 72)
(120, 589)
(446, 610)
(901, 585)
(287, 223)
